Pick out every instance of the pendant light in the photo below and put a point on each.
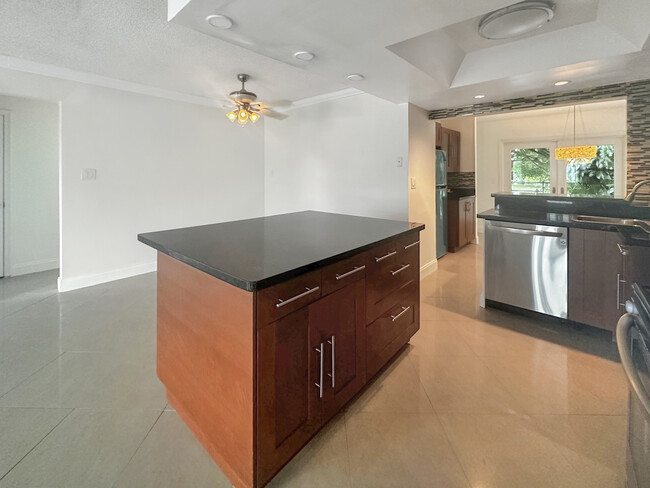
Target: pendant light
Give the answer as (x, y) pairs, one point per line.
(575, 152)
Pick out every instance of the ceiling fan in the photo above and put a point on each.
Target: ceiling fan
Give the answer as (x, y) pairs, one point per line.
(247, 108)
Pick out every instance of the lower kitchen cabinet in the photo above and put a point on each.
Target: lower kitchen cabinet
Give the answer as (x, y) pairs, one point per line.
(597, 277)
(461, 222)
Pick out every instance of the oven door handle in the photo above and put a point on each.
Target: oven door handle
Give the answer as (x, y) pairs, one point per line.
(624, 342)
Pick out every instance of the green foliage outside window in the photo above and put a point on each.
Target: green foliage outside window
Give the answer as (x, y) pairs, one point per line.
(592, 177)
(531, 170)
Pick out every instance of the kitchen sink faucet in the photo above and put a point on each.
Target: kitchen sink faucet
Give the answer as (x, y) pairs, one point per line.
(632, 194)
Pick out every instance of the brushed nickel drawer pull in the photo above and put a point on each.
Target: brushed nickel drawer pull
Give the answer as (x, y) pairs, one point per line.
(333, 363)
(404, 310)
(319, 385)
(282, 303)
(400, 270)
(411, 245)
(344, 275)
(390, 253)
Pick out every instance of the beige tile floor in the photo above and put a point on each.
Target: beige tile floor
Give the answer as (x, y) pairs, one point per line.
(480, 398)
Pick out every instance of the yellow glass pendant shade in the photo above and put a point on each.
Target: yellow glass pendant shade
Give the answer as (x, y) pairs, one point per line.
(576, 152)
(242, 117)
(254, 117)
(232, 115)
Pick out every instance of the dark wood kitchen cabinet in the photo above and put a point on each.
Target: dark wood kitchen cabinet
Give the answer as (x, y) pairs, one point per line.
(310, 363)
(451, 145)
(438, 135)
(597, 277)
(461, 222)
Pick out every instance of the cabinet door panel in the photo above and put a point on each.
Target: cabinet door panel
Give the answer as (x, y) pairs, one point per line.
(288, 407)
(595, 266)
(340, 318)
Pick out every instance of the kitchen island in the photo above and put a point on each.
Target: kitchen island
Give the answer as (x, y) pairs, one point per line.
(267, 327)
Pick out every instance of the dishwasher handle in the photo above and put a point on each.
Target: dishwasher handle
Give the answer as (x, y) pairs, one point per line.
(540, 233)
(624, 343)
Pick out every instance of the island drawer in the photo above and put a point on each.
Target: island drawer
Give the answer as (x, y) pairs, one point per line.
(338, 275)
(386, 334)
(408, 246)
(282, 299)
(385, 282)
(381, 257)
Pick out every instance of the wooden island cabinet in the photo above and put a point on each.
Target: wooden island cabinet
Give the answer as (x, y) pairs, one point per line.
(268, 327)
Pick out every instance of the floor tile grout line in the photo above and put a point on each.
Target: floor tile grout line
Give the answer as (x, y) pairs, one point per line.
(38, 443)
(30, 305)
(144, 438)
(347, 445)
(28, 377)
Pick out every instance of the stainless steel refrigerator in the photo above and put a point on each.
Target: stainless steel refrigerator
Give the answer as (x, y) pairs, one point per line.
(441, 203)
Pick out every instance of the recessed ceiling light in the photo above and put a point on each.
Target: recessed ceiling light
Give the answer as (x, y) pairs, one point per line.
(479, 96)
(563, 82)
(303, 56)
(219, 21)
(355, 77)
(516, 20)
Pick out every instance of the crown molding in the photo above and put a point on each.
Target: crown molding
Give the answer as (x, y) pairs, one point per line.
(67, 74)
(326, 97)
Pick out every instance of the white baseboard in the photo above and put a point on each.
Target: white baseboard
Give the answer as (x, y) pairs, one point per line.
(428, 268)
(33, 267)
(74, 283)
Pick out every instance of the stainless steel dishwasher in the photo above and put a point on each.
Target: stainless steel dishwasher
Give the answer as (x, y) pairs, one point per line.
(526, 266)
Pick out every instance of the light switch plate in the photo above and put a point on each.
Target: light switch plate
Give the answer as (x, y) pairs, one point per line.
(88, 174)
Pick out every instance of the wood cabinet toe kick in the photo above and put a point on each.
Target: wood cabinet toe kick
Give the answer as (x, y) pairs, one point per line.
(255, 375)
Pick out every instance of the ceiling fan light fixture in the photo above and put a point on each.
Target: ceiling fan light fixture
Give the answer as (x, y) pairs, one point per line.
(219, 21)
(254, 117)
(516, 20)
(232, 115)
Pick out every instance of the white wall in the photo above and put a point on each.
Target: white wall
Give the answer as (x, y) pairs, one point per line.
(160, 164)
(422, 201)
(492, 131)
(339, 156)
(32, 170)
(464, 125)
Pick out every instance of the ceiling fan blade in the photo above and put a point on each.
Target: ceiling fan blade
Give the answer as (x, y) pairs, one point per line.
(272, 113)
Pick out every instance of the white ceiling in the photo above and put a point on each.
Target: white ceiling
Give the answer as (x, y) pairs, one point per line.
(422, 51)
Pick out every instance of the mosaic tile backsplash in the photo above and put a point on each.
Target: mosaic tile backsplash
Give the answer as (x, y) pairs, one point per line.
(638, 119)
(461, 180)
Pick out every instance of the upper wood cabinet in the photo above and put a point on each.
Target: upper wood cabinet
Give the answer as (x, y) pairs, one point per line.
(450, 143)
(438, 135)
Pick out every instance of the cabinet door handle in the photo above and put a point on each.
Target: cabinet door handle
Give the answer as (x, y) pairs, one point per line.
(618, 291)
(282, 303)
(355, 270)
(411, 245)
(404, 310)
(621, 249)
(400, 270)
(319, 385)
(386, 256)
(333, 375)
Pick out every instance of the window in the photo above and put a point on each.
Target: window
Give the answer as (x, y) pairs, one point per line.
(531, 169)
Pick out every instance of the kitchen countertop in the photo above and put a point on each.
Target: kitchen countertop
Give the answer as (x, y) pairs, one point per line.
(459, 193)
(630, 235)
(256, 253)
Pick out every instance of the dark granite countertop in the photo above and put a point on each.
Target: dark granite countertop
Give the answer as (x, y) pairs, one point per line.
(256, 253)
(631, 235)
(459, 193)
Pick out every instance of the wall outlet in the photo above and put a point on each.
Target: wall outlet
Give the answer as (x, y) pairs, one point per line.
(88, 174)
(400, 161)
(412, 183)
